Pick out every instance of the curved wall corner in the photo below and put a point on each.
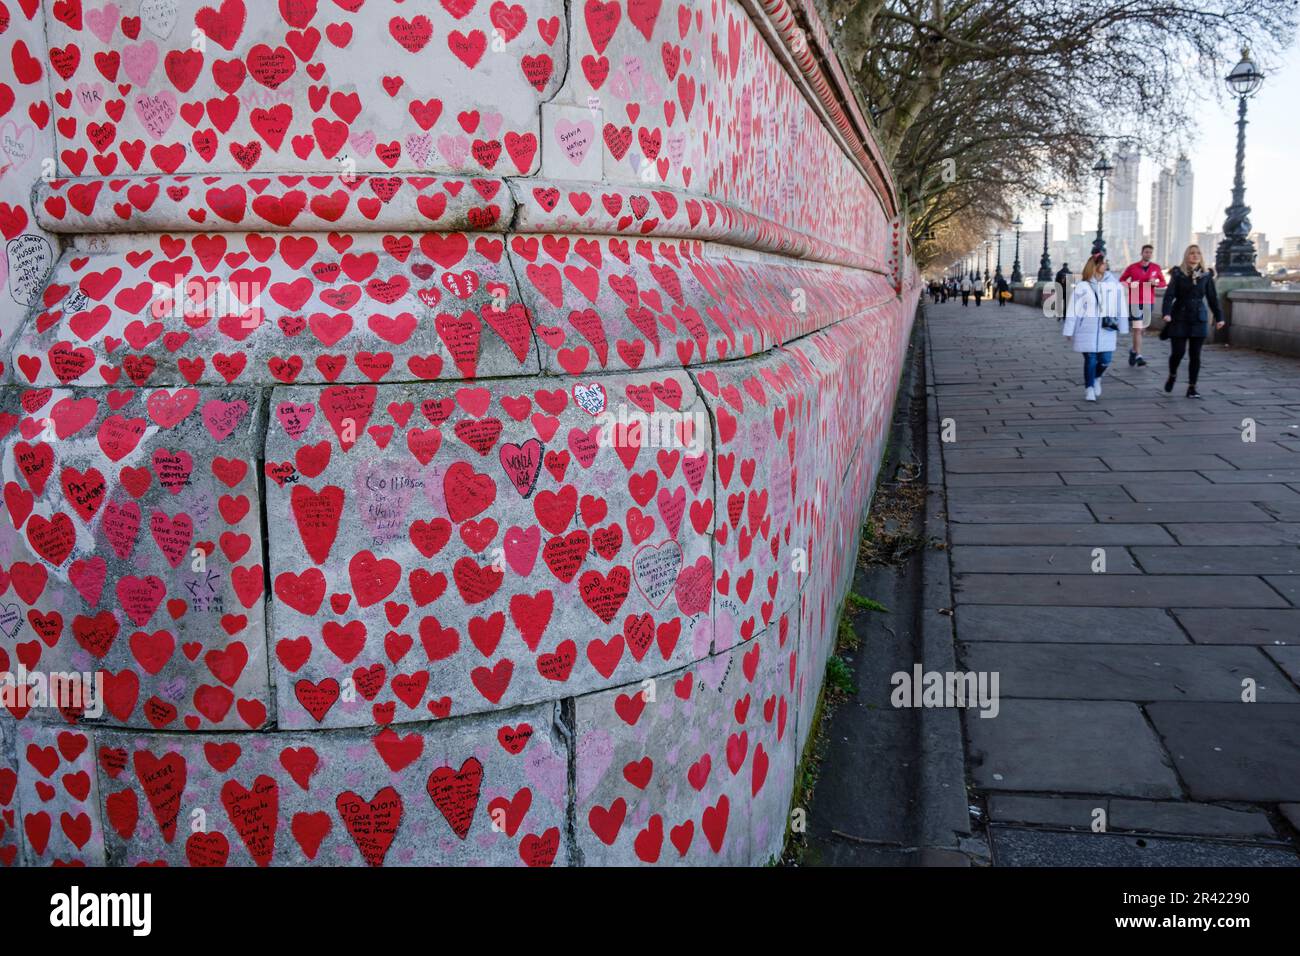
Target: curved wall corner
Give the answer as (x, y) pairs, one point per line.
(454, 462)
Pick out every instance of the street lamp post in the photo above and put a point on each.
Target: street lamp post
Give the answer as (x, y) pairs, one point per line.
(1016, 277)
(997, 274)
(1045, 264)
(1236, 253)
(988, 243)
(1102, 169)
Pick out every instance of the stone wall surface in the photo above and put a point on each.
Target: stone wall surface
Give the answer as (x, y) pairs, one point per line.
(438, 432)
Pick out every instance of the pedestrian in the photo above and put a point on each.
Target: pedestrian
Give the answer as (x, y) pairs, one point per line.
(1098, 314)
(1001, 289)
(966, 287)
(978, 292)
(1188, 295)
(1141, 279)
(1063, 289)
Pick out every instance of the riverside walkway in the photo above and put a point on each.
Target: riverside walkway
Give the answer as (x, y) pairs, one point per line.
(1130, 570)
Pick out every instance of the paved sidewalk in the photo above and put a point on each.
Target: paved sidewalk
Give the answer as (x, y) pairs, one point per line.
(1122, 689)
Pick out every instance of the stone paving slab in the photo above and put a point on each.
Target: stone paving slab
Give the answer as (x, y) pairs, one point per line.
(1022, 560)
(1203, 819)
(1128, 672)
(1115, 590)
(1034, 479)
(1160, 512)
(988, 465)
(1014, 846)
(1141, 816)
(1224, 560)
(1208, 534)
(1233, 751)
(1094, 479)
(1288, 587)
(1069, 746)
(1191, 491)
(1065, 625)
(1018, 514)
(1035, 496)
(1284, 510)
(1240, 626)
(1091, 535)
(1287, 658)
(1162, 463)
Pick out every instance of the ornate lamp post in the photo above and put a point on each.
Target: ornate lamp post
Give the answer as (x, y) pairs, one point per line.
(1102, 169)
(997, 274)
(1236, 253)
(1016, 277)
(988, 243)
(1045, 264)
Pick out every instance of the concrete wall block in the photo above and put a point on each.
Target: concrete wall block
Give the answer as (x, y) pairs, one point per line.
(458, 549)
(244, 308)
(58, 795)
(402, 86)
(11, 834)
(701, 773)
(734, 124)
(132, 544)
(26, 154)
(487, 790)
(237, 202)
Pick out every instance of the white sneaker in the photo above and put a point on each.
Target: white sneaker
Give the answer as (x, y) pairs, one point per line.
(1097, 387)
(1089, 394)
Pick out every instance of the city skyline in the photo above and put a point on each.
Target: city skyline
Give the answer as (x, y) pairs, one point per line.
(1270, 149)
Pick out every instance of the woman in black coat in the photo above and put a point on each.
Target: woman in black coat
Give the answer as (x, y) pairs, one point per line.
(1189, 293)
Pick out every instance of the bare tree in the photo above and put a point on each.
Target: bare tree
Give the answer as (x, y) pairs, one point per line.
(981, 103)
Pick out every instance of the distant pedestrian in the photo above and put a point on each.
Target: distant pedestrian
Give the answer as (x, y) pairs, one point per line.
(1098, 314)
(1063, 289)
(1189, 294)
(1141, 279)
(1002, 290)
(966, 287)
(978, 292)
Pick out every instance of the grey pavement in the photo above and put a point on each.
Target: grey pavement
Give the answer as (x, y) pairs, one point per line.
(1130, 570)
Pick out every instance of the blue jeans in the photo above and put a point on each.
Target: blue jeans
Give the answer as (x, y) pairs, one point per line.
(1094, 366)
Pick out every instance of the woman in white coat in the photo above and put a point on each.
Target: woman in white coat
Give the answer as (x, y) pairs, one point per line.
(1098, 314)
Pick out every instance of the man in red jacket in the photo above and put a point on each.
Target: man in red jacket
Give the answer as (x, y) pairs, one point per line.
(1141, 280)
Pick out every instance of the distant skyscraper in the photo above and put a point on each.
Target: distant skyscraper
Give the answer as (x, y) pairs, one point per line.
(1121, 221)
(1171, 211)
(1180, 214)
(1209, 239)
(1161, 200)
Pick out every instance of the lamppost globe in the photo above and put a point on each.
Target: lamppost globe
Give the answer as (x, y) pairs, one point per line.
(1245, 78)
(1045, 264)
(1017, 278)
(1236, 253)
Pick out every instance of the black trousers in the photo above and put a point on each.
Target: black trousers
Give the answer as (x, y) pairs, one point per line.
(1178, 347)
